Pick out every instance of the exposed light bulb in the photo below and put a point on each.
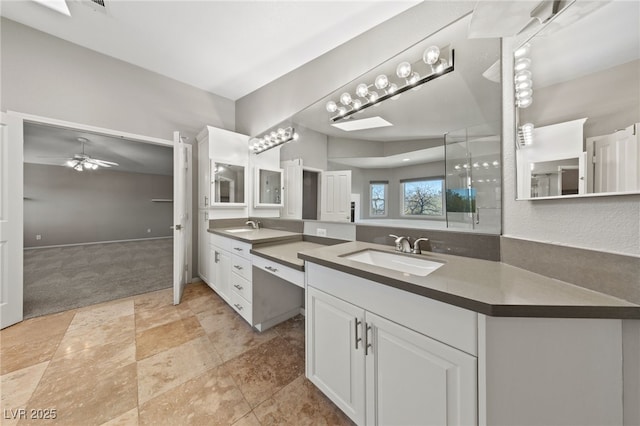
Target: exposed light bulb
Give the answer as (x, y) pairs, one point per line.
(523, 75)
(381, 81)
(440, 66)
(403, 70)
(522, 64)
(485, 165)
(296, 136)
(281, 131)
(495, 163)
(273, 135)
(70, 163)
(527, 127)
(357, 103)
(362, 90)
(345, 99)
(342, 110)
(522, 51)
(431, 55)
(527, 93)
(373, 97)
(331, 106)
(525, 84)
(392, 88)
(413, 78)
(524, 102)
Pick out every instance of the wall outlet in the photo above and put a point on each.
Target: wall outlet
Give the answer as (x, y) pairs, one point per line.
(148, 230)
(321, 232)
(38, 237)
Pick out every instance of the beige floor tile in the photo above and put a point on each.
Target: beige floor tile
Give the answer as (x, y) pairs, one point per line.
(96, 315)
(15, 390)
(210, 399)
(195, 290)
(217, 318)
(292, 331)
(166, 370)
(234, 336)
(167, 336)
(158, 309)
(32, 341)
(89, 334)
(248, 420)
(262, 371)
(130, 418)
(109, 356)
(300, 403)
(86, 397)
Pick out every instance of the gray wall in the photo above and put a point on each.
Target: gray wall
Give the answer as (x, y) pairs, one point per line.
(609, 224)
(50, 77)
(311, 146)
(68, 207)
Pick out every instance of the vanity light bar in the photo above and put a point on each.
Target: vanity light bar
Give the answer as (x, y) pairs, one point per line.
(267, 141)
(522, 76)
(365, 98)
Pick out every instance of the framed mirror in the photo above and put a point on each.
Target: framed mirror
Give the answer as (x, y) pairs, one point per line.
(407, 160)
(228, 184)
(577, 86)
(269, 188)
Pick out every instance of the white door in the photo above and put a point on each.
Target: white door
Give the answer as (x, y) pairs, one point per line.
(415, 380)
(292, 189)
(616, 161)
(11, 238)
(336, 196)
(181, 217)
(335, 352)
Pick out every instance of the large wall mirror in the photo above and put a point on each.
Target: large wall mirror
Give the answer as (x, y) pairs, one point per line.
(426, 158)
(577, 82)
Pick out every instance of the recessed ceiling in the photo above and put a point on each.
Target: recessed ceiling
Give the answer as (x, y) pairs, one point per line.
(229, 48)
(53, 145)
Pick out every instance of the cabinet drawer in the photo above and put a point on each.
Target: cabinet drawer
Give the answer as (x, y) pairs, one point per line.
(241, 249)
(242, 307)
(286, 273)
(242, 287)
(241, 266)
(219, 241)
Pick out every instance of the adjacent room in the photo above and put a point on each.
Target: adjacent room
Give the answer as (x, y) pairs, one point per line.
(97, 218)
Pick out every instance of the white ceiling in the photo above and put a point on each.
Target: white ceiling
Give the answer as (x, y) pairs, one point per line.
(229, 48)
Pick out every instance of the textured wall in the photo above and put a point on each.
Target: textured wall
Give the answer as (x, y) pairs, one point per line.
(609, 224)
(68, 207)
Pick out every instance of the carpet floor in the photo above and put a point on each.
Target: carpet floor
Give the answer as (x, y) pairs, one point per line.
(58, 279)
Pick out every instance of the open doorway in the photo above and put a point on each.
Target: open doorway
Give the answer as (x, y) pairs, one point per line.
(93, 234)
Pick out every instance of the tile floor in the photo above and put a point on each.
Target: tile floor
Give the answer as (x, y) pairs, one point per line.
(143, 361)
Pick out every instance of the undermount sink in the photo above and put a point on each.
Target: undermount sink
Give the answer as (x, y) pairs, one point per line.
(235, 231)
(398, 262)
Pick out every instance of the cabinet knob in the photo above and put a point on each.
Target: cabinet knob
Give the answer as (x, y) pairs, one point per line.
(238, 267)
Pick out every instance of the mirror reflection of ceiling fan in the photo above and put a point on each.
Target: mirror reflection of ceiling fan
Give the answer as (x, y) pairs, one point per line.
(80, 162)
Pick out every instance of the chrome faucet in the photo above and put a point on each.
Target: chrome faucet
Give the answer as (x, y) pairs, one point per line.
(254, 224)
(402, 244)
(416, 245)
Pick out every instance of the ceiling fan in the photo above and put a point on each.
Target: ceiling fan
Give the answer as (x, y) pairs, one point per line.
(80, 162)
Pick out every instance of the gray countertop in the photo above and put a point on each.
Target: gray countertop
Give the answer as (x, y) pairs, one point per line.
(256, 236)
(286, 252)
(487, 287)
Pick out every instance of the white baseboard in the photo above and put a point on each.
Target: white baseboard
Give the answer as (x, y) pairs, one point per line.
(97, 242)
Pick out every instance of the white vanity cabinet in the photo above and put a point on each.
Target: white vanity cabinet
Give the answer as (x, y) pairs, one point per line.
(203, 245)
(219, 269)
(419, 368)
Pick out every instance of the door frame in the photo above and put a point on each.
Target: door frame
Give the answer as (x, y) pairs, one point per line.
(30, 118)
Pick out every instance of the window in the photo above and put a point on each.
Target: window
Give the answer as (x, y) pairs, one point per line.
(422, 197)
(378, 197)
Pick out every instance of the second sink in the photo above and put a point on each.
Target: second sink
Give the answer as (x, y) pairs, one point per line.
(398, 262)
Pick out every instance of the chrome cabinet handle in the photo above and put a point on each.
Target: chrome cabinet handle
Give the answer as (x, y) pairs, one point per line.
(358, 339)
(216, 257)
(206, 201)
(237, 306)
(238, 267)
(239, 287)
(271, 268)
(367, 345)
(237, 249)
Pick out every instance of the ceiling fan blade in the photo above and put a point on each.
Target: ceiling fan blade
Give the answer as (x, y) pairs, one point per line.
(103, 163)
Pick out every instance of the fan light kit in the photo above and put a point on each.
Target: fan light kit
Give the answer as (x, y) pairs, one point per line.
(81, 162)
(383, 88)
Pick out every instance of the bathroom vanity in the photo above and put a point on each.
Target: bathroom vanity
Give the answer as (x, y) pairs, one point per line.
(472, 342)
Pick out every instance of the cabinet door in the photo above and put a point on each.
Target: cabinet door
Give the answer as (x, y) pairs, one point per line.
(203, 246)
(220, 271)
(415, 380)
(335, 353)
(204, 175)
